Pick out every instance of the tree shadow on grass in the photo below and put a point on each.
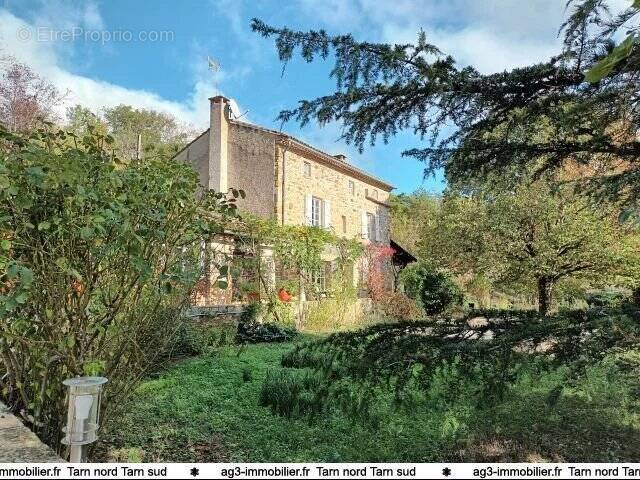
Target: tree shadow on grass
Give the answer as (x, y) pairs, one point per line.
(576, 429)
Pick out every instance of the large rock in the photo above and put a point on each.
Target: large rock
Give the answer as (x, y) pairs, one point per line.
(478, 322)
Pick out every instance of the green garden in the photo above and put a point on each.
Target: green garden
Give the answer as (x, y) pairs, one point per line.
(248, 407)
(514, 336)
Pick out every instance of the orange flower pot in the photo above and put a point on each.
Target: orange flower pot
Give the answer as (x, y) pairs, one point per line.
(284, 296)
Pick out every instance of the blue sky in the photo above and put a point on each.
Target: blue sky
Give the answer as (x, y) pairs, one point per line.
(108, 56)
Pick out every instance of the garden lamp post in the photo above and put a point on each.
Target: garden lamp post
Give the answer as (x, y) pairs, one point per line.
(82, 415)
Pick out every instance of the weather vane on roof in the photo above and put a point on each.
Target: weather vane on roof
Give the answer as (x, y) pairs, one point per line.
(214, 66)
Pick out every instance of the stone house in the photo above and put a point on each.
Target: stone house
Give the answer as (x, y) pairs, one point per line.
(287, 180)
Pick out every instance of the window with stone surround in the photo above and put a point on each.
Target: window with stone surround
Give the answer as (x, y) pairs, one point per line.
(352, 187)
(320, 280)
(344, 224)
(307, 169)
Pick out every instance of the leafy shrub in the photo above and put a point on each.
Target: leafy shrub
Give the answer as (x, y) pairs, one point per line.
(399, 306)
(221, 335)
(292, 393)
(434, 290)
(282, 313)
(189, 341)
(411, 279)
(607, 298)
(253, 332)
(251, 313)
(446, 361)
(438, 292)
(194, 337)
(97, 259)
(247, 375)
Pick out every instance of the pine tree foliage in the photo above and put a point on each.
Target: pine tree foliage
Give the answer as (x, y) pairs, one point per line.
(382, 89)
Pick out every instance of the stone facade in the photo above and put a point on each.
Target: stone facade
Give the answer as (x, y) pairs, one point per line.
(197, 154)
(287, 180)
(349, 197)
(251, 168)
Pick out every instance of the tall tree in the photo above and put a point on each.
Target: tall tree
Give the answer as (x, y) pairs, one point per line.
(382, 89)
(26, 98)
(162, 135)
(81, 119)
(533, 236)
(409, 215)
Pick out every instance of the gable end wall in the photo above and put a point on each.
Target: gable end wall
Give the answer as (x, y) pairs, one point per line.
(252, 168)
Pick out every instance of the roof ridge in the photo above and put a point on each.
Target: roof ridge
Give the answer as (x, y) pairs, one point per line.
(329, 157)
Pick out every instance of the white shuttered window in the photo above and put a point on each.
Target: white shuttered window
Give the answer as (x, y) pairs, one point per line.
(326, 217)
(317, 212)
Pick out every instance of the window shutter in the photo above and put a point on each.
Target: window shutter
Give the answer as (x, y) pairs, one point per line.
(307, 209)
(376, 231)
(365, 226)
(327, 213)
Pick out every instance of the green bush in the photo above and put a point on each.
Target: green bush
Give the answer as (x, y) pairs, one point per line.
(253, 332)
(447, 361)
(434, 290)
(292, 393)
(438, 292)
(607, 298)
(411, 279)
(98, 257)
(251, 313)
(194, 338)
(189, 341)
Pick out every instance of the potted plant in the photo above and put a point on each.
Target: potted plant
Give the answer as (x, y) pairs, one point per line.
(287, 290)
(251, 290)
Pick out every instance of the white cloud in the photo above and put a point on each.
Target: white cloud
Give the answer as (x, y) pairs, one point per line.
(20, 38)
(490, 35)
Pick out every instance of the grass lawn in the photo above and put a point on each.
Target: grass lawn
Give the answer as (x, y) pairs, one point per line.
(206, 409)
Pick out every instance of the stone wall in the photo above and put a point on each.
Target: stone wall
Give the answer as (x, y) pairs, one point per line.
(207, 292)
(19, 444)
(252, 168)
(347, 203)
(329, 184)
(197, 155)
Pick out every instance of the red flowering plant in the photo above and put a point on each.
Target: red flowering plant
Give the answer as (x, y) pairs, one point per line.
(376, 261)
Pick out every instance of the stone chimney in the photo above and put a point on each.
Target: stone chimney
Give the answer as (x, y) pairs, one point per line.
(341, 156)
(218, 143)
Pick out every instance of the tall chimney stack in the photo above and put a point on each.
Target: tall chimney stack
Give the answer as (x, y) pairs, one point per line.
(218, 141)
